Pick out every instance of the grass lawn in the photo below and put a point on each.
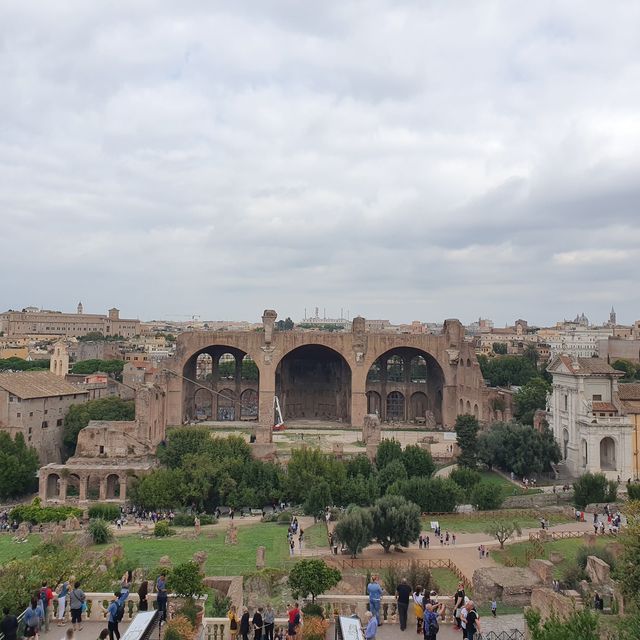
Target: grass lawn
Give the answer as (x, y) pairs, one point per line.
(517, 553)
(10, 550)
(475, 524)
(223, 559)
(507, 488)
(316, 536)
(446, 580)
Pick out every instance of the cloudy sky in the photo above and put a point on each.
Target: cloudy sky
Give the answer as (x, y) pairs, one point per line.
(403, 160)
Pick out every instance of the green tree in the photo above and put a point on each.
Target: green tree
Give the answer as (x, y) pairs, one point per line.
(529, 398)
(361, 490)
(486, 496)
(593, 487)
(627, 569)
(186, 580)
(354, 529)
(18, 466)
(396, 522)
(504, 371)
(79, 415)
(432, 495)
(18, 364)
(86, 367)
(417, 461)
(580, 624)
(531, 353)
(502, 530)
(627, 367)
(360, 465)
(318, 498)
(312, 577)
(392, 472)
(161, 489)
(499, 348)
(388, 450)
(467, 434)
(519, 448)
(466, 479)
(307, 466)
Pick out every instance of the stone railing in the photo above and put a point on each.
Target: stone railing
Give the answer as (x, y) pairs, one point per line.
(218, 628)
(343, 605)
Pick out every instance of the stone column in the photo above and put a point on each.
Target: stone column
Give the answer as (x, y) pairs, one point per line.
(63, 489)
(123, 488)
(266, 393)
(189, 391)
(42, 487)
(384, 363)
(238, 387)
(82, 488)
(449, 411)
(103, 489)
(215, 376)
(358, 395)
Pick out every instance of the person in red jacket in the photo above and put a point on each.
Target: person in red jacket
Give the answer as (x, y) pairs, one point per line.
(46, 596)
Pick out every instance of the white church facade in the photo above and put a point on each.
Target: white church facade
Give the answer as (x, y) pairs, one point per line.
(588, 419)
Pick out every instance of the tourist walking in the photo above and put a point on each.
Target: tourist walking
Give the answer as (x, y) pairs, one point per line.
(244, 624)
(472, 621)
(233, 622)
(403, 593)
(295, 618)
(494, 608)
(143, 592)
(258, 624)
(62, 601)
(269, 619)
(33, 619)
(418, 608)
(112, 616)
(76, 604)
(46, 596)
(162, 597)
(375, 597)
(458, 603)
(9, 625)
(371, 626)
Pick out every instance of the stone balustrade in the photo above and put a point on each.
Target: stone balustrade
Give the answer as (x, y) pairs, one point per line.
(344, 605)
(97, 604)
(218, 628)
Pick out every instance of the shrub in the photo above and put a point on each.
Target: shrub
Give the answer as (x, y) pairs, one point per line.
(190, 611)
(100, 531)
(602, 553)
(416, 574)
(432, 495)
(284, 517)
(217, 604)
(486, 496)
(179, 628)
(188, 520)
(312, 609)
(633, 491)
(162, 529)
(315, 628)
(109, 512)
(36, 514)
(572, 576)
(466, 479)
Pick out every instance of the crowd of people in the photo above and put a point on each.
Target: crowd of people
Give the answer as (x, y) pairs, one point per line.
(72, 602)
(294, 528)
(262, 623)
(429, 611)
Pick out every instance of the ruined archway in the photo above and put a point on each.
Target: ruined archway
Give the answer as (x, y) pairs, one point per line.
(215, 380)
(113, 486)
(313, 382)
(53, 486)
(418, 379)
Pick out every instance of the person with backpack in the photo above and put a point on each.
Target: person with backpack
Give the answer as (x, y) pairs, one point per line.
(33, 616)
(430, 623)
(113, 611)
(46, 596)
(77, 605)
(472, 621)
(233, 622)
(161, 600)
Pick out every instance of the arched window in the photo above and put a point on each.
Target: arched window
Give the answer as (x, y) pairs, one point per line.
(395, 369)
(608, 454)
(395, 406)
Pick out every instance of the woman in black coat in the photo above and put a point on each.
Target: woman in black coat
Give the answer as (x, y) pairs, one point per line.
(244, 624)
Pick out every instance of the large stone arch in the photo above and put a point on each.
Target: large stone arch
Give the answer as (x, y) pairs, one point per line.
(313, 382)
(414, 373)
(53, 486)
(203, 397)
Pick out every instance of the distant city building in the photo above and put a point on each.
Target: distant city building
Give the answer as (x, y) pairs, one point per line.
(40, 322)
(35, 403)
(588, 419)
